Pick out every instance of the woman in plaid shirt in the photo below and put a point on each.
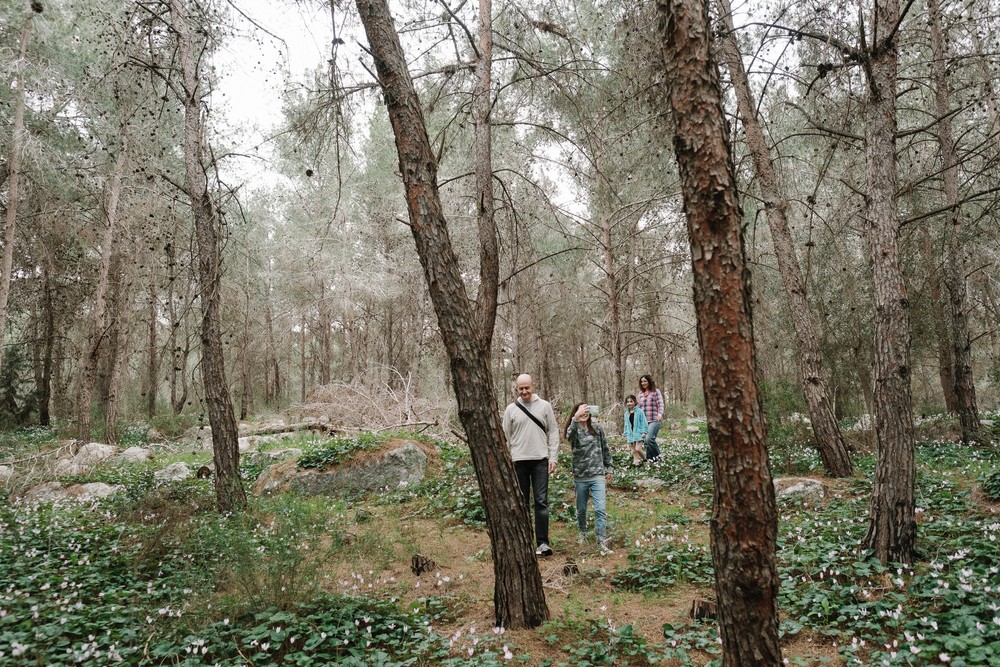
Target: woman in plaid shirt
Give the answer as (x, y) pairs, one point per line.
(651, 403)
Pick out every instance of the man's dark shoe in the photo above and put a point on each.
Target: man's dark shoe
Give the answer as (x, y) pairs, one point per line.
(543, 550)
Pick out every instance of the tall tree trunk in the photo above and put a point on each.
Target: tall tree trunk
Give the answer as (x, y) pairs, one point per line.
(965, 388)
(829, 440)
(119, 358)
(302, 357)
(613, 296)
(45, 386)
(489, 253)
(17, 139)
(940, 320)
(892, 528)
(153, 357)
(229, 492)
(744, 517)
(518, 597)
(272, 382)
(98, 332)
(175, 325)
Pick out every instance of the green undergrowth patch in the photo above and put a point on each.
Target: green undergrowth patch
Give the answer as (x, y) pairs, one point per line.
(328, 452)
(25, 441)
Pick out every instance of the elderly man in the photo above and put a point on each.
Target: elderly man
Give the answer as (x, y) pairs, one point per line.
(533, 437)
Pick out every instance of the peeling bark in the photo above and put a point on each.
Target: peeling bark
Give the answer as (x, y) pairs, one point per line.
(744, 516)
(892, 528)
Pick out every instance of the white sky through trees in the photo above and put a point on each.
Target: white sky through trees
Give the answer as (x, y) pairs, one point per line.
(256, 69)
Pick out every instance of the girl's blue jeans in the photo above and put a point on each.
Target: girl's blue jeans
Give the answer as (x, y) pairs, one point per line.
(597, 490)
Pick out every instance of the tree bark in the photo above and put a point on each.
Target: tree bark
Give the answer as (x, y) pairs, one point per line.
(489, 254)
(829, 440)
(965, 388)
(613, 287)
(518, 597)
(892, 528)
(98, 332)
(45, 386)
(229, 492)
(119, 358)
(13, 184)
(153, 357)
(744, 516)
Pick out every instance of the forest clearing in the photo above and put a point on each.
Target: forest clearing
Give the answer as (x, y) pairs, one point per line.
(154, 576)
(774, 222)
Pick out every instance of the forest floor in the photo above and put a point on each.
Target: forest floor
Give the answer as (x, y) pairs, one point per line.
(165, 579)
(574, 595)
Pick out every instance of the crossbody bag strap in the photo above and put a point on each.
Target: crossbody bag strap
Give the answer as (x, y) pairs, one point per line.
(533, 417)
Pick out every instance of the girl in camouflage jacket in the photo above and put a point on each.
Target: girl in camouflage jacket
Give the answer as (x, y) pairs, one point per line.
(592, 471)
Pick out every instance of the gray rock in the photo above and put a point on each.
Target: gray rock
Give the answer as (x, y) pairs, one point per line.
(650, 483)
(54, 492)
(175, 472)
(6, 472)
(404, 465)
(806, 487)
(48, 492)
(85, 460)
(65, 467)
(287, 453)
(135, 455)
(93, 453)
(91, 491)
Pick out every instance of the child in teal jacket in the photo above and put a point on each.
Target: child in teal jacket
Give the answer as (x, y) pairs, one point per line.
(635, 430)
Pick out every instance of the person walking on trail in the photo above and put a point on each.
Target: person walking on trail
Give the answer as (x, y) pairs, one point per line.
(635, 430)
(651, 403)
(533, 437)
(592, 472)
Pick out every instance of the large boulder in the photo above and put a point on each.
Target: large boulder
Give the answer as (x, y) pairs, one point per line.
(808, 489)
(135, 455)
(54, 492)
(86, 459)
(402, 463)
(175, 472)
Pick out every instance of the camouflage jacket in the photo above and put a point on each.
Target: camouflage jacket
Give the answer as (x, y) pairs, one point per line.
(591, 456)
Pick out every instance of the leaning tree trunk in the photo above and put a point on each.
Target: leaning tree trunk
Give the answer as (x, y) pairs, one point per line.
(965, 388)
(829, 440)
(229, 491)
(892, 528)
(744, 516)
(519, 600)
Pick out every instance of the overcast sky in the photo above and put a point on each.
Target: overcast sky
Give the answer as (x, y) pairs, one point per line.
(255, 68)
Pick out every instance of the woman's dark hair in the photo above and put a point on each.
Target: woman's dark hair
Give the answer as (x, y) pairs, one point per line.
(631, 397)
(590, 422)
(649, 379)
